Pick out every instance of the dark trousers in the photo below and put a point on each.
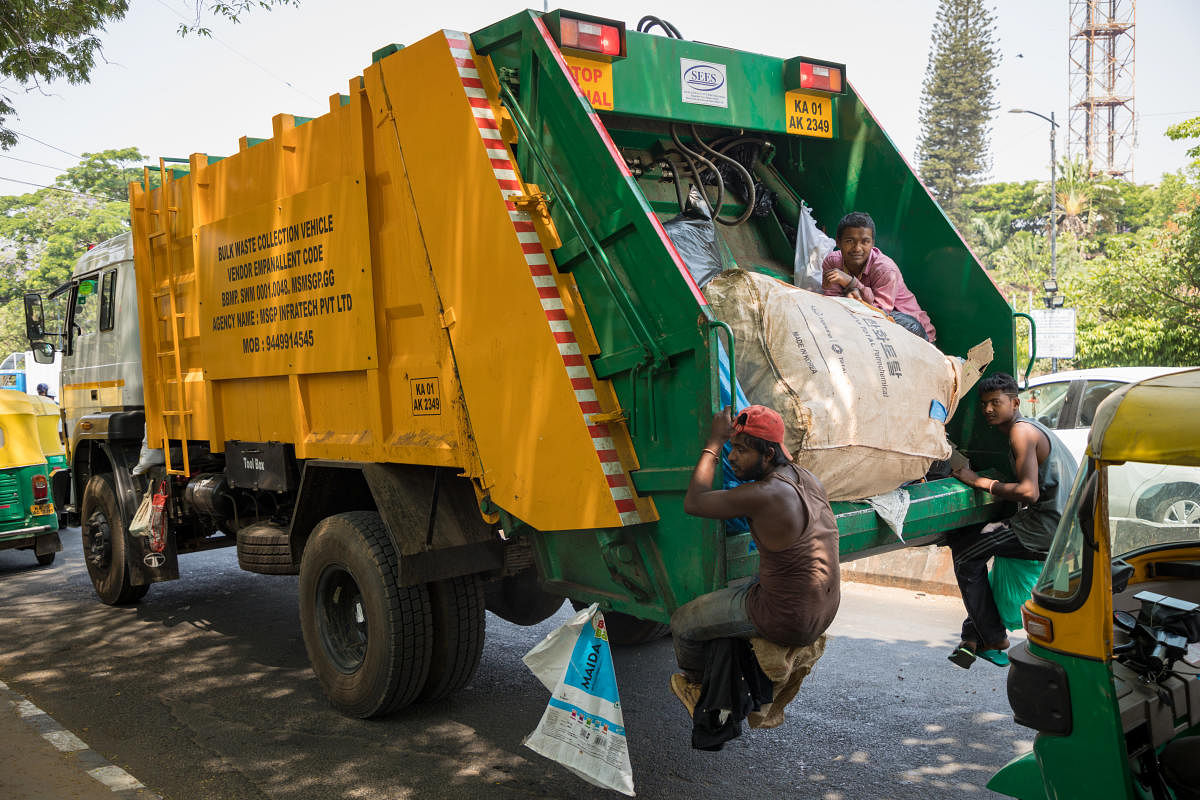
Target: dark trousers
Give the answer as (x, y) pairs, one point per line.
(972, 550)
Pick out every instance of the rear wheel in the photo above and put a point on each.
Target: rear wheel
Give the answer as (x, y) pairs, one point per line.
(45, 559)
(103, 532)
(458, 625)
(369, 639)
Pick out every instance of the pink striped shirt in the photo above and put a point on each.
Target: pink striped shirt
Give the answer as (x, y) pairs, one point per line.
(882, 287)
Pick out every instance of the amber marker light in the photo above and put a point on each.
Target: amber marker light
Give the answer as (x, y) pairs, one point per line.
(1036, 626)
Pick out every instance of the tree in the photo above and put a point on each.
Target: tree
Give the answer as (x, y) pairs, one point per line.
(1086, 201)
(43, 233)
(957, 100)
(42, 41)
(1188, 129)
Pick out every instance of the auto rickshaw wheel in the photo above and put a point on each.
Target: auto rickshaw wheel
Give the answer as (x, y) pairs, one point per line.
(45, 559)
(104, 547)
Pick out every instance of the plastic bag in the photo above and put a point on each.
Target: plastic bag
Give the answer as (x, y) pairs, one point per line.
(583, 728)
(1012, 582)
(140, 525)
(811, 248)
(695, 238)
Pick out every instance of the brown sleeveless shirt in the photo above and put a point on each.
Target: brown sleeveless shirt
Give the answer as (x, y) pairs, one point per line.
(799, 586)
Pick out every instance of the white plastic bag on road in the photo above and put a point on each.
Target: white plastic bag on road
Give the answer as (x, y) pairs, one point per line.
(583, 728)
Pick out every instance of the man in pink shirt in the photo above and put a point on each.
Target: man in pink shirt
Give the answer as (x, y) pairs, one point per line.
(858, 269)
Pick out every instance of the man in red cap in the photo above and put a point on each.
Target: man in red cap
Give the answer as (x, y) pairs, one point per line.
(795, 596)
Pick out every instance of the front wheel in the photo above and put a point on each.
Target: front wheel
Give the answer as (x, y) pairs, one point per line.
(1183, 509)
(369, 640)
(103, 532)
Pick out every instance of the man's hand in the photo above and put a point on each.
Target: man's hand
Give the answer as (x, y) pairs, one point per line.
(966, 475)
(856, 294)
(722, 428)
(836, 277)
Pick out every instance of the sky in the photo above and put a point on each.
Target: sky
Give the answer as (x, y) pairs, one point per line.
(172, 96)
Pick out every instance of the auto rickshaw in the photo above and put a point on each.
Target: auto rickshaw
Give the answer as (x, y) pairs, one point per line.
(49, 426)
(28, 519)
(1110, 675)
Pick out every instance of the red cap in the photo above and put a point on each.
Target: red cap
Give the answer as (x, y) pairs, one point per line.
(763, 422)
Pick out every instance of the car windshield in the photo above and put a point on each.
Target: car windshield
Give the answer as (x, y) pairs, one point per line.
(1151, 505)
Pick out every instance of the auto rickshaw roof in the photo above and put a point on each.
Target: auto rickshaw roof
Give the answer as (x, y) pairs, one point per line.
(15, 402)
(1153, 421)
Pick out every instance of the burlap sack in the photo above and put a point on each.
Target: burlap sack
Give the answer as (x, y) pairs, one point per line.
(864, 401)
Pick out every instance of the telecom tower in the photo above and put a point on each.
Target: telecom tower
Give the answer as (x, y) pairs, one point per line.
(1101, 52)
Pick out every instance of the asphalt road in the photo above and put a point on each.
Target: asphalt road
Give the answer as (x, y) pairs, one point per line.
(203, 692)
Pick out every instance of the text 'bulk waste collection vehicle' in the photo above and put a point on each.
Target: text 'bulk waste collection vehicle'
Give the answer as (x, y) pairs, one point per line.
(434, 351)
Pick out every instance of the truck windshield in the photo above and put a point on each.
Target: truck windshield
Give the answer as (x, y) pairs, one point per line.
(1062, 577)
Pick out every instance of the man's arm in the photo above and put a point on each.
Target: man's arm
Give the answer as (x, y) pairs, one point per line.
(702, 500)
(1024, 441)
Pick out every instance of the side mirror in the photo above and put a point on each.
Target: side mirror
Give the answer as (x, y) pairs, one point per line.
(1122, 571)
(43, 352)
(35, 325)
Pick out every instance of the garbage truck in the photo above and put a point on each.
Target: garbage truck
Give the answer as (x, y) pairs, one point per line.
(434, 351)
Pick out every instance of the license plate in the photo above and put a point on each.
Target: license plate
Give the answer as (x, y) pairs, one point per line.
(42, 510)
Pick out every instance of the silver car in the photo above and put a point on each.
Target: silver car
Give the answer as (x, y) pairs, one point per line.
(1066, 402)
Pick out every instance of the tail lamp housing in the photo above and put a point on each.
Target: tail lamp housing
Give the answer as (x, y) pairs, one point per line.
(594, 37)
(41, 487)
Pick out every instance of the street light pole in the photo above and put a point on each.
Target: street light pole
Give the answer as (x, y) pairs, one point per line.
(1053, 202)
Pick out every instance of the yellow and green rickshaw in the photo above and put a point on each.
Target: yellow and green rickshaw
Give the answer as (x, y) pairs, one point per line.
(28, 519)
(1110, 675)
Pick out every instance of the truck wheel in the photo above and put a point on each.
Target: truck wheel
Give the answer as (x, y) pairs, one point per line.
(46, 560)
(626, 629)
(369, 639)
(458, 626)
(265, 549)
(103, 532)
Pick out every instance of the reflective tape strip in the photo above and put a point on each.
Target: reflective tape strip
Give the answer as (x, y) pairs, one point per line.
(543, 278)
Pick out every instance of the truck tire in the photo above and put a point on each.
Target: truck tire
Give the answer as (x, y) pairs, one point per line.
(370, 640)
(265, 549)
(626, 629)
(103, 531)
(458, 625)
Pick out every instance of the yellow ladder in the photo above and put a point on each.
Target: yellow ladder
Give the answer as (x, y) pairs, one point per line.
(169, 367)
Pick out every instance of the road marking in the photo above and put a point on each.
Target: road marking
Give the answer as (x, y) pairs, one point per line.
(113, 777)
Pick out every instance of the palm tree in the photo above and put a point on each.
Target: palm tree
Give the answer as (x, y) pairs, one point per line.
(1085, 201)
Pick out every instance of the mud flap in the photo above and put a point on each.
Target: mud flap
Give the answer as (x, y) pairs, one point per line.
(47, 543)
(1020, 778)
(147, 566)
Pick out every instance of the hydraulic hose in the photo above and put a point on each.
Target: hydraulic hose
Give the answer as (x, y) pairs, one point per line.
(650, 21)
(747, 179)
(688, 156)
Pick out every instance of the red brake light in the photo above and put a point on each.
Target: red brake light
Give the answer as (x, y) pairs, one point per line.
(41, 487)
(820, 77)
(592, 36)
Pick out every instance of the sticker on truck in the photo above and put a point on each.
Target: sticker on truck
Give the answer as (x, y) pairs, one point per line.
(594, 79)
(703, 83)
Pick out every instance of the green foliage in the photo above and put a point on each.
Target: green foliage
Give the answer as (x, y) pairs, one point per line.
(231, 10)
(42, 41)
(1141, 305)
(43, 233)
(957, 100)
(1188, 129)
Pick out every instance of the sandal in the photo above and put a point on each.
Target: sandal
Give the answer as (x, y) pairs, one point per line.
(963, 655)
(997, 657)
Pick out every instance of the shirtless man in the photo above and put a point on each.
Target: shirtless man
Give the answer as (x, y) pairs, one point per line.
(859, 269)
(796, 593)
(1045, 471)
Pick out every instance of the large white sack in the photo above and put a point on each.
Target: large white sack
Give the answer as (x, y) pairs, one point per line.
(864, 401)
